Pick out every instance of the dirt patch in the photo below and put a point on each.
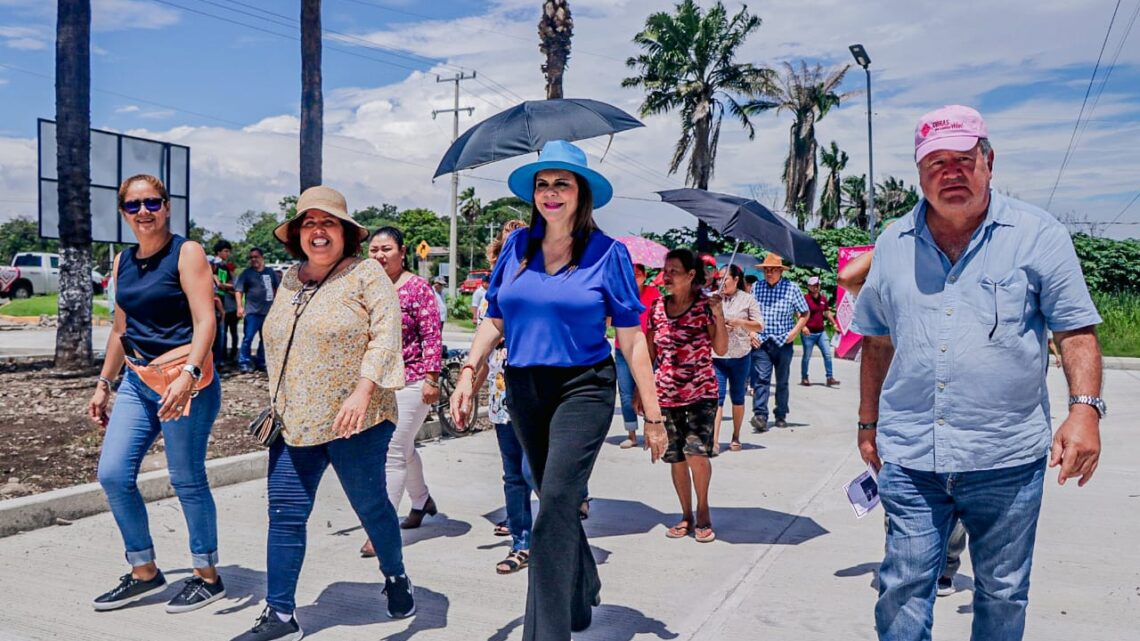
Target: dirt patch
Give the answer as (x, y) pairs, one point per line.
(47, 441)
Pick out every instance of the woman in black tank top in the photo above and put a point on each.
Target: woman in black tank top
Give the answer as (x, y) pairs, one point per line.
(164, 299)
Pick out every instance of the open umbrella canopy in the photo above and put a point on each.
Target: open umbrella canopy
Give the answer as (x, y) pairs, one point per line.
(747, 220)
(745, 262)
(644, 251)
(528, 126)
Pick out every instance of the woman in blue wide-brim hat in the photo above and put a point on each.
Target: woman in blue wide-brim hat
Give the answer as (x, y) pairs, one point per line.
(552, 289)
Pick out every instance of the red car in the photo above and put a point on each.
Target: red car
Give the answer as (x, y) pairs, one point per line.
(473, 279)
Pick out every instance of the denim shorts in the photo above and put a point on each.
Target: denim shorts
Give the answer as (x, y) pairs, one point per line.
(732, 373)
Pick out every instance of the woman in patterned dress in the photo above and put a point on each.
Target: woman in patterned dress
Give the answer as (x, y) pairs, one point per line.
(423, 343)
(339, 318)
(685, 328)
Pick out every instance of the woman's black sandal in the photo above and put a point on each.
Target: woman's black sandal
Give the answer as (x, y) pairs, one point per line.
(516, 560)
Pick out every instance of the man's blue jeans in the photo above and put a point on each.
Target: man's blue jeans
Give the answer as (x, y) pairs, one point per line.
(250, 328)
(295, 473)
(771, 355)
(809, 343)
(133, 427)
(626, 390)
(999, 510)
(517, 486)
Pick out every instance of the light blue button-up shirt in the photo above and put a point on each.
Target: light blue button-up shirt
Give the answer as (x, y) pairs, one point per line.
(966, 389)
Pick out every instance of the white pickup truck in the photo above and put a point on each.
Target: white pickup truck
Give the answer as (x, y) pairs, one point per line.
(36, 273)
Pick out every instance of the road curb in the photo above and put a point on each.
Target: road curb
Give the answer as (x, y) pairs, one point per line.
(70, 503)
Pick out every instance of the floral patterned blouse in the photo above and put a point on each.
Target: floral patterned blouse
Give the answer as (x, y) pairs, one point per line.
(422, 336)
(349, 330)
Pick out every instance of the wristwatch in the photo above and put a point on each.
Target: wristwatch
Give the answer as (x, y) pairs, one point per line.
(1085, 399)
(194, 371)
(873, 425)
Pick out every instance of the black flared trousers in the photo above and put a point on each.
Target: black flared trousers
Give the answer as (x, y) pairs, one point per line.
(561, 416)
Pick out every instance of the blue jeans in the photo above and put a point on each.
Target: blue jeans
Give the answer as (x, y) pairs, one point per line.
(771, 355)
(518, 483)
(626, 389)
(251, 328)
(732, 373)
(999, 510)
(132, 429)
(809, 343)
(295, 473)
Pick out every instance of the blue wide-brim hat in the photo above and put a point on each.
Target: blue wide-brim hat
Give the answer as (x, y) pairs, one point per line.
(559, 154)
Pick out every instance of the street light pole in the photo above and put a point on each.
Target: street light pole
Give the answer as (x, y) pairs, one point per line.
(864, 61)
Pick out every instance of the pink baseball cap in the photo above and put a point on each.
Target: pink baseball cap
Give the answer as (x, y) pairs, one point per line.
(953, 127)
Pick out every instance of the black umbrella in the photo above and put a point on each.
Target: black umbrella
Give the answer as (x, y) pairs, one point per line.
(748, 220)
(743, 261)
(528, 126)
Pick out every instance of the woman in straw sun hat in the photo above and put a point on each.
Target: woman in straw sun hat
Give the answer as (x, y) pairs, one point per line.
(333, 348)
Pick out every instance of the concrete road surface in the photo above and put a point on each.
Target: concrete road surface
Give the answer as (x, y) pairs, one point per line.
(791, 561)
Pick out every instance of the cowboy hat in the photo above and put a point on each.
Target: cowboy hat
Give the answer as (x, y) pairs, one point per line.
(559, 154)
(325, 199)
(772, 260)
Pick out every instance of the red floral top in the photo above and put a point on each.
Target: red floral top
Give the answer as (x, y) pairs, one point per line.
(684, 354)
(420, 330)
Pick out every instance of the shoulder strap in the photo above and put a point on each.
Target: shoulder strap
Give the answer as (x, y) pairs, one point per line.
(293, 331)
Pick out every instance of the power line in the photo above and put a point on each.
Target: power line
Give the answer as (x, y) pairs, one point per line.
(1077, 124)
(1126, 208)
(1108, 72)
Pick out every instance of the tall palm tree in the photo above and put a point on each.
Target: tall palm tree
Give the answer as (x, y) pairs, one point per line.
(73, 159)
(470, 208)
(835, 160)
(808, 92)
(893, 198)
(312, 100)
(854, 201)
(555, 28)
(689, 65)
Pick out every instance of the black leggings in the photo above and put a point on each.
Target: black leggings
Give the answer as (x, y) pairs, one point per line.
(561, 416)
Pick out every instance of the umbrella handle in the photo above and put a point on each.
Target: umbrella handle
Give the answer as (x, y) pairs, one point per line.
(730, 262)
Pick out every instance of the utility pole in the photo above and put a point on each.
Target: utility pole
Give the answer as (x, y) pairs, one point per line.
(452, 249)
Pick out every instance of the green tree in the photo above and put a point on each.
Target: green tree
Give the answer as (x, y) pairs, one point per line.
(835, 160)
(688, 64)
(893, 198)
(23, 235)
(257, 231)
(808, 92)
(555, 28)
(854, 201)
(376, 217)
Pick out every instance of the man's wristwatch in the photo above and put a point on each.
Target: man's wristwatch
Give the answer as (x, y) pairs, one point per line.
(194, 371)
(1085, 399)
(873, 425)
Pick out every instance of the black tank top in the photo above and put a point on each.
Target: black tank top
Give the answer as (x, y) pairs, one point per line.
(149, 291)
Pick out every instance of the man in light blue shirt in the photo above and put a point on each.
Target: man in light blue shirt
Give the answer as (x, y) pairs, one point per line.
(954, 410)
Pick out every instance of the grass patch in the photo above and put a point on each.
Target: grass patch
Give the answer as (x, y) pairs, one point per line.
(1120, 332)
(48, 305)
(462, 323)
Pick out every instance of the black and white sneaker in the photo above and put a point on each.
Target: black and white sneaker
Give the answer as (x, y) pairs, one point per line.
(401, 602)
(270, 627)
(945, 586)
(128, 591)
(196, 592)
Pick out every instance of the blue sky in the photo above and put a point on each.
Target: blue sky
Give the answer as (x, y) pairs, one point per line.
(231, 92)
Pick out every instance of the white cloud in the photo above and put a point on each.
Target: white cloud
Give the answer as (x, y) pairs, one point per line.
(381, 144)
(121, 15)
(128, 109)
(25, 38)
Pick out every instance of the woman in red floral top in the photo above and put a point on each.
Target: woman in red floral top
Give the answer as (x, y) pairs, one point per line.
(423, 345)
(685, 328)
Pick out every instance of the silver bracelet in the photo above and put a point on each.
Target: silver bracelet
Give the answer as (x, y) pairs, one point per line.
(106, 381)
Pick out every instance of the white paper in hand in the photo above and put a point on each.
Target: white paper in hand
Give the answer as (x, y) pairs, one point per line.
(863, 493)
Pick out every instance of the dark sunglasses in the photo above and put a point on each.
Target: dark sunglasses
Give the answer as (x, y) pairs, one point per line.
(135, 206)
